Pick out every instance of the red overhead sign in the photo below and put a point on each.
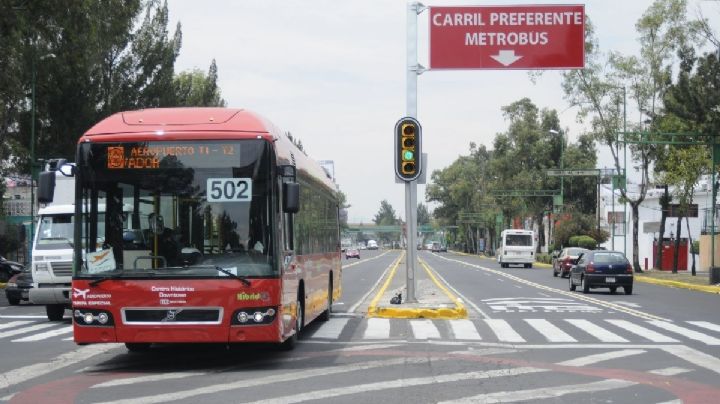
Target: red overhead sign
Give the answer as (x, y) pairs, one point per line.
(507, 37)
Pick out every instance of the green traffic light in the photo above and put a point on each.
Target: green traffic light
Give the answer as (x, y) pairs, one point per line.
(407, 155)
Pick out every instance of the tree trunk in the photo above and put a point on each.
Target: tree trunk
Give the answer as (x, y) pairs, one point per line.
(636, 220)
(664, 202)
(676, 253)
(690, 245)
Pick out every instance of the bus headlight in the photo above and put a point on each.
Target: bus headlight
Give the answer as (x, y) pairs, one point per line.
(41, 267)
(258, 315)
(92, 317)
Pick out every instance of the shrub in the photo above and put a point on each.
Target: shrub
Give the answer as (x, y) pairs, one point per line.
(544, 258)
(582, 241)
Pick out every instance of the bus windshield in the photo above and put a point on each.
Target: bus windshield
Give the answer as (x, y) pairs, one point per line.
(198, 209)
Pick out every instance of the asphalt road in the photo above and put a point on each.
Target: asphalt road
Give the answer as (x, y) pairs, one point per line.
(527, 339)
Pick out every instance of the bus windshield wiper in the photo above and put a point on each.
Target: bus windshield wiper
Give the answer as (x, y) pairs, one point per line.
(233, 275)
(105, 278)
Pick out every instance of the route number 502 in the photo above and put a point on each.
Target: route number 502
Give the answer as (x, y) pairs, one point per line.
(229, 190)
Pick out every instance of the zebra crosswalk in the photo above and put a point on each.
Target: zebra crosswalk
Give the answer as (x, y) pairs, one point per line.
(529, 330)
(516, 331)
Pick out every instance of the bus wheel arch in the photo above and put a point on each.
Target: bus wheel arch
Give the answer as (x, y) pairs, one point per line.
(325, 315)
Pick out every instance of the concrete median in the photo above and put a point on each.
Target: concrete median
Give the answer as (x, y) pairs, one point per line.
(433, 299)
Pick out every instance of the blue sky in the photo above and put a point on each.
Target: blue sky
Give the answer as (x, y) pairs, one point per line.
(332, 72)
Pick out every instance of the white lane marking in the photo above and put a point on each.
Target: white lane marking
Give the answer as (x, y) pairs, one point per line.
(707, 325)
(365, 260)
(628, 304)
(366, 347)
(268, 380)
(22, 316)
(45, 335)
(148, 378)
(672, 402)
(14, 324)
(601, 357)
(25, 330)
(394, 384)
(595, 330)
(503, 331)
(331, 329)
(549, 331)
(641, 331)
(377, 328)
(375, 286)
(424, 329)
(23, 374)
(461, 297)
(694, 356)
(671, 371)
(686, 332)
(544, 392)
(464, 329)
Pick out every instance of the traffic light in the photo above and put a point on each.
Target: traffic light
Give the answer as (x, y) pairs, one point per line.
(408, 139)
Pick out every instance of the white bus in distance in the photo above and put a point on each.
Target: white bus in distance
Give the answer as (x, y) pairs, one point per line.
(516, 247)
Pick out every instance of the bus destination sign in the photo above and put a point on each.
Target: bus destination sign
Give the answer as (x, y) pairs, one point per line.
(150, 156)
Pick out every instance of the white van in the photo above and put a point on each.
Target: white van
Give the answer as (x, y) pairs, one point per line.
(52, 252)
(516, 247)
(372, 245)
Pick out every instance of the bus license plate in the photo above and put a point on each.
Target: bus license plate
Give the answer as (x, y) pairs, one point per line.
(610, 280)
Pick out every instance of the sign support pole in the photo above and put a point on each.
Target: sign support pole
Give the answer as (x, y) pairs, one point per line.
(413, 70)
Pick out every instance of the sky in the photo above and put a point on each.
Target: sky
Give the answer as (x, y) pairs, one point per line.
(332, 72)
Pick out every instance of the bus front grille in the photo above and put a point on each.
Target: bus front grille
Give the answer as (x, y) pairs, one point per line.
(172, 315)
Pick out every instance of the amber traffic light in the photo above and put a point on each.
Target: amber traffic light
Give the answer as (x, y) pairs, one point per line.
(407, 149)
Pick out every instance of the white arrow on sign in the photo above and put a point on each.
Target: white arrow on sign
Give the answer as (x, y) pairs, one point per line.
(506, 57)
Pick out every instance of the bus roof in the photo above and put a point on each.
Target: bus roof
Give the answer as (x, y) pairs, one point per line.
(177, 124)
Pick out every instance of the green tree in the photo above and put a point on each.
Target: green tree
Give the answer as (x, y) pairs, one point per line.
(596, 89)
(194, 88)
(423, 215)
(386, 216)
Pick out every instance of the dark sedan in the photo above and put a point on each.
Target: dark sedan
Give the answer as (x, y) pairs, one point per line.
(8, 269)
(602, 269)
(18, 287)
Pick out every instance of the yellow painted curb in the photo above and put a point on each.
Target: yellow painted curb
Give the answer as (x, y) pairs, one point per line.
(372, 308)
(676, 284)
(444, 313)
(460, 311)
(440, 313)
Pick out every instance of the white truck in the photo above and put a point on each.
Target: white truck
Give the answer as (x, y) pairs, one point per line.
(52, 252)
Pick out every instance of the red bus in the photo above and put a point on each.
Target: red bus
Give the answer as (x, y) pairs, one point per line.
(199, 225)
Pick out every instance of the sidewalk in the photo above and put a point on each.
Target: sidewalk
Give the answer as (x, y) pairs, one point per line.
(434, 300)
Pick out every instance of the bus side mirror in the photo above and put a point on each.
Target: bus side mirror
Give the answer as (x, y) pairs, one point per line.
(46, 186)
(291, 197)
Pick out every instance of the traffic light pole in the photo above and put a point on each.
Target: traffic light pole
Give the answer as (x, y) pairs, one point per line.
(413, 70)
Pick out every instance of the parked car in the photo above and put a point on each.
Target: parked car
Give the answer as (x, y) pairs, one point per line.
(564, 260)
(18, 287)
(8, 269)
(352, 252)
(602, 269)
